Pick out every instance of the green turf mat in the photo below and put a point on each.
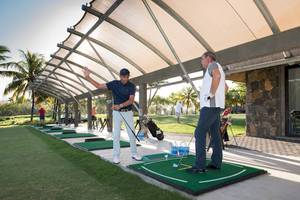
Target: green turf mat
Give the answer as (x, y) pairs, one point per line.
(76, 135)
(157, 157)
(107, 144)
(195, 183)
(51, 131)
(56, 128)
(68, 131)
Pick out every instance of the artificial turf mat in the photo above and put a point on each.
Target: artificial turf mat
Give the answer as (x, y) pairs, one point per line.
(75, 135)
(195, 184)
(97, 145)
(51, 131)
(93, 139)
(157, 157)
(68, 131)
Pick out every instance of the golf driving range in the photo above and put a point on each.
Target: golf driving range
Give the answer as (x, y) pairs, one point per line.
(150, 100)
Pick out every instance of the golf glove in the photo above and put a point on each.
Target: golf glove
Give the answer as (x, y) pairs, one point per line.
(208, 96)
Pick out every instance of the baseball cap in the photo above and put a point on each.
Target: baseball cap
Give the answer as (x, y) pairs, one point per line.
(124, 72)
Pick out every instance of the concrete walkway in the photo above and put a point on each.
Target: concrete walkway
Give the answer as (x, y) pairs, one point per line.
(282, 163)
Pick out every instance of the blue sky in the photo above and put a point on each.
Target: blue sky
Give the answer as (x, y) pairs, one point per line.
(36, 25)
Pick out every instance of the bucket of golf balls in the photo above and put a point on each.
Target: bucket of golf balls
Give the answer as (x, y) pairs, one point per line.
(174, 150)
(141, 136)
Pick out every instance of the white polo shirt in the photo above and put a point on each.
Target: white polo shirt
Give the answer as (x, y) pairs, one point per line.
(218, 101)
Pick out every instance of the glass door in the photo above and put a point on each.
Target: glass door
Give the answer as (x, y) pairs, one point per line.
(294, 100)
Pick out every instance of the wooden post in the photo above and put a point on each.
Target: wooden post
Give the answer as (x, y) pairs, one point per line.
(89, 112)
(109, 115)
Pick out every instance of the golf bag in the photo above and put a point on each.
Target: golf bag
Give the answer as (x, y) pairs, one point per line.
(147, 124)
(154, 130)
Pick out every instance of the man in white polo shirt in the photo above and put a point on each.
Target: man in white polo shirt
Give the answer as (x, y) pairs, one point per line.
(212, 101)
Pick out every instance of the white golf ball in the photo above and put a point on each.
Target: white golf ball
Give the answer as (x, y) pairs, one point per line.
(175, 165)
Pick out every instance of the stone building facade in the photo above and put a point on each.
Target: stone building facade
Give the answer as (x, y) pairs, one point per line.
(264, 101)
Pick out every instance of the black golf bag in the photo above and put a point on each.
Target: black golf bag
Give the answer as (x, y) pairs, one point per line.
(154, 130)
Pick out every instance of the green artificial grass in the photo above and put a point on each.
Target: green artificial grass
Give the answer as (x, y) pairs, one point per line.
(195, 184)
(38, 166)
(97, 145)
(75, 135)
(157, 157)
(51, 131)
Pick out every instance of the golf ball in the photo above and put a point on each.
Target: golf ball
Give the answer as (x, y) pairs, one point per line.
(175, 165)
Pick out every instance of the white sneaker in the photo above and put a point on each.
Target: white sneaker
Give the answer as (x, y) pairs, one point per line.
(116, 160)
(136, 157)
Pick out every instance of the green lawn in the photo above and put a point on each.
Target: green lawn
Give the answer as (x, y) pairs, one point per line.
(37, 166)
(168, 123)
(20, 120)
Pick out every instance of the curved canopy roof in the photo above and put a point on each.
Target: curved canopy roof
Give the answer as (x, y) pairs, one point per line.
(113, 34)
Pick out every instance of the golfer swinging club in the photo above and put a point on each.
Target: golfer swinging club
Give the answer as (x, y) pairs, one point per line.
(212, 100)
(123, 94)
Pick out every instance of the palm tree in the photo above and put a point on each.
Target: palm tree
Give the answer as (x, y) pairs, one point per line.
(188, 96)
(23, 74)
(157, 101)
(3, 50)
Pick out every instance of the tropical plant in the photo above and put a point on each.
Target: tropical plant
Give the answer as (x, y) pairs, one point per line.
(188, 96)
(3, 51)
(158, 101)
(23, 74)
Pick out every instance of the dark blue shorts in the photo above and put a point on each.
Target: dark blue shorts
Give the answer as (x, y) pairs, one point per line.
(42, 117)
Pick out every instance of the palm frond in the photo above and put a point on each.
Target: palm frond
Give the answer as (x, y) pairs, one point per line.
(3, 51)
(9, 73)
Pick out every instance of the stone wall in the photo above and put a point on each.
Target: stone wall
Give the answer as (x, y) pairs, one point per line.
(263, 103)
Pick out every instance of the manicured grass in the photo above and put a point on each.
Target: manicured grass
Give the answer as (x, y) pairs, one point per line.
(168, 123)
(37, 166)
(20, 120)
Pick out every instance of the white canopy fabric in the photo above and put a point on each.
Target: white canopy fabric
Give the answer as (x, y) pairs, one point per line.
(114, 34)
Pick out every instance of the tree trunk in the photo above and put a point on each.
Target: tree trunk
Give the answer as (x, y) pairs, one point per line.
(32, 105)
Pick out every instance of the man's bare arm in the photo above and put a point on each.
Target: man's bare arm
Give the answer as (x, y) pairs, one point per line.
(216, 76)
(87, 73)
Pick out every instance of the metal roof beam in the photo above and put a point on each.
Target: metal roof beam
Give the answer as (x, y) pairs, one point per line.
(62, 75)
(50, 88)
(53, 87)
(109, 48)
(262, 7)
(52, 82)
(183, 23)
(99, 21)
(129, 32)
(87, 56)
(67, 70)
(78, 65)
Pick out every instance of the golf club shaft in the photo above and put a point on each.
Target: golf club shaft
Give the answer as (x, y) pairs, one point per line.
(129, 126)
(179, 163)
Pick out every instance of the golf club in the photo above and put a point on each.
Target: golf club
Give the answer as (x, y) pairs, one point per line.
(132, 131)
(175, 165)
